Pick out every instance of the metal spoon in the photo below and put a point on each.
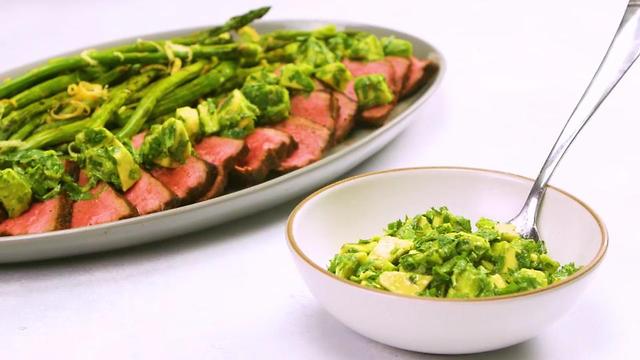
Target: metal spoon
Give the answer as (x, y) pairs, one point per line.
(623, 51)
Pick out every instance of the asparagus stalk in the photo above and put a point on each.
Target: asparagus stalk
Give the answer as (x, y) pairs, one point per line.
(40, 91)
(233, 23)
(187, 94)
(115, 58)
(146, 105)
(58, 84)
(206, 37)
(28, 128)
(53, 125)
(56, 66)
(68, 132)
(34, 76)
(114, 75)
(15, 120)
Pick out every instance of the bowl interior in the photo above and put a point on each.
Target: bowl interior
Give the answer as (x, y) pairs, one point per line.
(361, 207)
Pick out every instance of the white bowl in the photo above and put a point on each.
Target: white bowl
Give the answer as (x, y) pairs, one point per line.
(361, 206)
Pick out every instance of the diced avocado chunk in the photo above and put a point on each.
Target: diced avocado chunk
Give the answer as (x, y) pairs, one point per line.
(272, 101)
(419, 262)
(505, 252)
(390, 248)
(507, 231)
(296, 76)
(237, 115)
(105, 158)
(472, 242)
(365, 47)
(367, 273)
(486, 224)
(263, 76)
(167, 144)
(208, 119)
(497, 281)
(335, 75)
(346, 265)
(470, 282)
(393, 46)
(358, 247)
(191, 120)
(403, 282)
(339, 45)
(287, 53)
(372, 90)
(529, 279)
(315, 53)
(15, 192)
(546, 263)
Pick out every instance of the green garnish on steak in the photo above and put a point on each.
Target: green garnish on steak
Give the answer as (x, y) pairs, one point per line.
(437, 254)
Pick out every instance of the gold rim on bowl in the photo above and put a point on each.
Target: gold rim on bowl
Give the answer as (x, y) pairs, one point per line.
(604, 237)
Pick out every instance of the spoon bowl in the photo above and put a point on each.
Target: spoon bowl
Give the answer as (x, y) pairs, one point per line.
(359, 207)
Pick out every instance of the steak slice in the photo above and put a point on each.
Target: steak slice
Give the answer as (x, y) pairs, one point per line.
(358, 68)
(401, 67)
(315, 106)
(267, 148)
(312, 139)
(148, 195)
(344, 110)
(106, 205)
(223, 153)
(417, 76)
(189, 181)
(43, 216)
(377, 115)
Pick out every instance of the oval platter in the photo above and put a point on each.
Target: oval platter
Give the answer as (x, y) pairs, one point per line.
(361, 144)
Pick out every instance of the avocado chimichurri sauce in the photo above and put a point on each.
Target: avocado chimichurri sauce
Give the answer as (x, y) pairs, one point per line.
(437, 254)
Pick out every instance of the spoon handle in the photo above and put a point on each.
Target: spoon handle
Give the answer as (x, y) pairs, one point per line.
(623, 51)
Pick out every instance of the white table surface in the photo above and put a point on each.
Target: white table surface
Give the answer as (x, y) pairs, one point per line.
(515, 70)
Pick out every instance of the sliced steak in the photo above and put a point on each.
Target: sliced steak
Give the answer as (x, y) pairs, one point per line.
(223, 153)
(267, 148)
(315, 106)
(220, 151)
(106, 205)
(312, 140)
(377, 115)
(417, 76)
(358, 68)
(344, 110)
(401, 67)
(43, 216)
(148, 195)
(189, 181)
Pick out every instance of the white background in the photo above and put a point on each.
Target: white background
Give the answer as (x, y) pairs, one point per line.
(515, 71)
